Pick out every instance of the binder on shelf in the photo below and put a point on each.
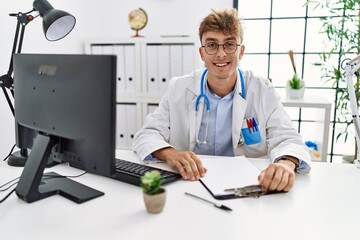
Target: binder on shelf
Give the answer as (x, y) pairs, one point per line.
(108, 50)
(96, 49)
(176, 60)
(188, 58)
(164, 67)
(152, 69)
(132, 123)
(130, 68)
(151, 108)
(121, 123)
(120, 69)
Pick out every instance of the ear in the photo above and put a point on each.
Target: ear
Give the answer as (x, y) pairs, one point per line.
(201, 51)
(242, 50)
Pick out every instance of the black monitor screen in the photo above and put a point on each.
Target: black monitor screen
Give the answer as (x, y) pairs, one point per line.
(69, 101)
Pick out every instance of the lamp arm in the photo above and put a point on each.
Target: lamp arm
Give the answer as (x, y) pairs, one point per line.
(6, 80)
(351, 69)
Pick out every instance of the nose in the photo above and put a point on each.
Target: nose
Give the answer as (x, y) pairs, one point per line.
(221, 50)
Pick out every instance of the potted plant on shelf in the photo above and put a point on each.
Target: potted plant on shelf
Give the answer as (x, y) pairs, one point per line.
(342, 31)
(154, 195)
(295, 87)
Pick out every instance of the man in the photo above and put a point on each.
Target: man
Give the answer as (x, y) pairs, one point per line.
(223, 111)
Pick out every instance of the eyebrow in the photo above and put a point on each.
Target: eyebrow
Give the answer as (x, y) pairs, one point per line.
(217, 40)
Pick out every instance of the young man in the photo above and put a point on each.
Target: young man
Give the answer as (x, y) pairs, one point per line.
(221, 110)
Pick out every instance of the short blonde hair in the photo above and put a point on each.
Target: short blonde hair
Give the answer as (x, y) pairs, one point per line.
(226, 21)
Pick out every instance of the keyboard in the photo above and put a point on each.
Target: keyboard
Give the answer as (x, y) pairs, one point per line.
(130, 172)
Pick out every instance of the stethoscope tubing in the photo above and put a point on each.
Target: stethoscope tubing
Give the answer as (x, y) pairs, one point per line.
(206, 99)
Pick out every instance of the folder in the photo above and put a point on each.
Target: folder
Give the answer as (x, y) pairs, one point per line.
(130, 68)
(227, 173)
(188, 58)
(120, 69)
(164, 67)
(152, 69)
(107, 49)
(176, 61)
(121, 121)
(151, 108)
(96, 49)
(132, 123)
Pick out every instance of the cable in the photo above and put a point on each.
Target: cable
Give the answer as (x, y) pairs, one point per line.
(2, 200)
(12, 149)
(8, 183)
(5, 189)
(48, 176)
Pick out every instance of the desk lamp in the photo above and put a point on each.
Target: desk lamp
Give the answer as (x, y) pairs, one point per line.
(56, 25)
(351, 69)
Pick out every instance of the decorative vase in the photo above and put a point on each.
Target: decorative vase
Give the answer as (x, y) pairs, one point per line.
(155, 203)
(294, 93)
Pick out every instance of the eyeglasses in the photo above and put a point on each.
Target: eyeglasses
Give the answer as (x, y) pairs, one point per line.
(212, 48)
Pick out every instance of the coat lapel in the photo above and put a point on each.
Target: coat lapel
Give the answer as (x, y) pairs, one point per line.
(239, 108)
(194, 117)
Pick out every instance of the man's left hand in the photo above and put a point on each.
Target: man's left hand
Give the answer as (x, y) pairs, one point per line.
(279, 176)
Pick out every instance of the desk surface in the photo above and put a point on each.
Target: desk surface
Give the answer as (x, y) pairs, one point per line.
(322, 205)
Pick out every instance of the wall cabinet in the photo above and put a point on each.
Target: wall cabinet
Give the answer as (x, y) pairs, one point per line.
(144, 68)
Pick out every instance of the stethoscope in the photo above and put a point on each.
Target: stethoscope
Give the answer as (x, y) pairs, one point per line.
(207, 103)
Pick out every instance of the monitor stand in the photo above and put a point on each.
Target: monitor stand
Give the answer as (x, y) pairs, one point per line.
(33, 185)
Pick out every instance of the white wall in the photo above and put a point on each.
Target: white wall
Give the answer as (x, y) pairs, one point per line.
(96, 19)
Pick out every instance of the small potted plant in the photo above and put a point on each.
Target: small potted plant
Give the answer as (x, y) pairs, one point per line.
(154, 194)
(295, 87)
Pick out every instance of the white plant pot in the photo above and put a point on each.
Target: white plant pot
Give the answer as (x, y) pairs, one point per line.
(155, 203)
(294, 93)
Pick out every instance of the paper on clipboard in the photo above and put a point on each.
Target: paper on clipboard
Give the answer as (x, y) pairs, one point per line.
(227, 172)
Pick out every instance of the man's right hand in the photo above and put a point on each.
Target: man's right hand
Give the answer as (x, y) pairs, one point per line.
(188, 164)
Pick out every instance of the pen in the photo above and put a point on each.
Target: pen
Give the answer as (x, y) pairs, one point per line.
(223, 207)
(255, 124)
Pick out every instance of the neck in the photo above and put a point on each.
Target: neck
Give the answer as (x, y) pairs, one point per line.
(222, 86)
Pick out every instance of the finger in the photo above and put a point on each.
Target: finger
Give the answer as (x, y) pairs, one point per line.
(284, 181)
(277, 178)
(199, 169)
(193, 161)
(188, 167)
(267, 178)
(181, 169)
(290, 183)
(261, 177)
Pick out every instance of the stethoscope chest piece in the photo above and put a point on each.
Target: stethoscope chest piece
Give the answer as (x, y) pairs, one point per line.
(241, 140)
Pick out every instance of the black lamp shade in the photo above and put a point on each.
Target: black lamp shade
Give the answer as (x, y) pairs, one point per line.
(56, 23)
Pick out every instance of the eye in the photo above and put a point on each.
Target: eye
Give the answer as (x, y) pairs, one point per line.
(212, 45)
(229, 44)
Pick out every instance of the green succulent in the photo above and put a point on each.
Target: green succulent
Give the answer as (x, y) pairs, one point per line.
(151, 182)
(295, 82)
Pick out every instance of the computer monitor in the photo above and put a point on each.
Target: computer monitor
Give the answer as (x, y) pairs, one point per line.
(70, 102)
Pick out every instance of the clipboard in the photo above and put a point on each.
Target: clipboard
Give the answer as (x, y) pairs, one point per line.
(230, 173)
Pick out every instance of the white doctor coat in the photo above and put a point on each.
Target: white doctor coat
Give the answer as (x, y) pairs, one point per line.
(172, 124)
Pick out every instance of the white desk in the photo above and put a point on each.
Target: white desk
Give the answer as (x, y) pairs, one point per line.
(322, 205)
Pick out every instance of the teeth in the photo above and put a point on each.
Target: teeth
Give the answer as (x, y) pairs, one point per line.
(220, 64)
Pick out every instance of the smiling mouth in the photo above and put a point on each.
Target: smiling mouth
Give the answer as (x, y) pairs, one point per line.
(221, 64)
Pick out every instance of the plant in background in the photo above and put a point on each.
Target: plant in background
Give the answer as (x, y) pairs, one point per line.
(151, 182)
(295, 82)
(342, 30)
